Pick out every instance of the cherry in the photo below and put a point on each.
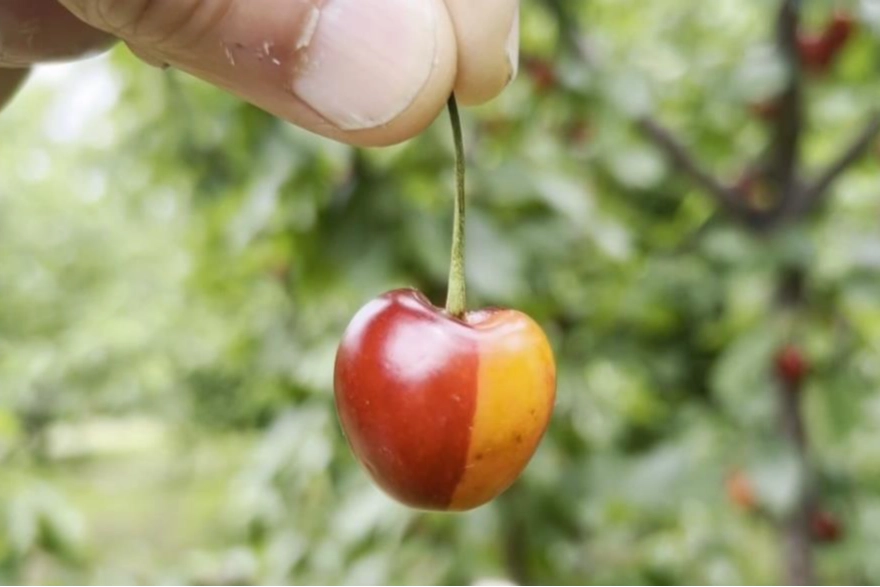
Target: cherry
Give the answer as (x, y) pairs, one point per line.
(443, 412)
(444, 407)
(791, 366)
(542, 72)
(766, 110)
(815, 53)
(825, 527)
(740, 491)
(818, 52)
(839, 30)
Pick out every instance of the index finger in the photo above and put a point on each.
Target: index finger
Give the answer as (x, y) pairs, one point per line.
(34, 31)
(488, 47)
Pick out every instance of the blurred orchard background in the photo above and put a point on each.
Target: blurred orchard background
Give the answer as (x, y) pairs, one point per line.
(176, 269)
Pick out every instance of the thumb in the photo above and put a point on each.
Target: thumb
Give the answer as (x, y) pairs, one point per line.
(365, 72)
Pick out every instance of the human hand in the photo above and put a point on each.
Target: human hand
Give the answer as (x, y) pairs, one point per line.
(364, 72)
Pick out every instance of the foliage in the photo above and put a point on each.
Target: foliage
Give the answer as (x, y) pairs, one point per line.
(176, 269)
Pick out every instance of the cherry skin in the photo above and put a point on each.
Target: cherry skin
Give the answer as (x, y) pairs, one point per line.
(840, 29)
(542, 72)
(825, 527)
(791, 365)
(444, 413)
(819, 52)
(816, 53)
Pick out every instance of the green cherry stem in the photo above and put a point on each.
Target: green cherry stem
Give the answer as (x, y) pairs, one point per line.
(456, 298)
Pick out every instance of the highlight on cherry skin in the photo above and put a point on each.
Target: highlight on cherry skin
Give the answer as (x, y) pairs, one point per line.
(444, 413)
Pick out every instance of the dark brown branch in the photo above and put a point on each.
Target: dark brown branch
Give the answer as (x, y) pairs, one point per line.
(799, 567)
(784, 162)
(798, 545)
(796, 527)
(681, 157)
(786, 141)
(857, 148)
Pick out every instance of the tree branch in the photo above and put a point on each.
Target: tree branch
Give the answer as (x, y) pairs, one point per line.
(796, 527)
(784, 162)
(787, 134)
(857, 148)
(799, 567)
(682, 158)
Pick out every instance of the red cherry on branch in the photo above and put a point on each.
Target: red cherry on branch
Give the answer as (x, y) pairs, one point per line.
(542, 73)
(825, 527)
(791, 366)
(815, 53)
(444, 413)
(839, 30)
(818, 52)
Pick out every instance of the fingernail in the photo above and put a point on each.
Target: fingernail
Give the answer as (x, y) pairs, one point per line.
(367, 60)
(512, 46)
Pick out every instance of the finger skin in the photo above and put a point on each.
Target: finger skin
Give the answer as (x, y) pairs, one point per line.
(260, 49)
(34, 31)
(488, 47)
(10, 82)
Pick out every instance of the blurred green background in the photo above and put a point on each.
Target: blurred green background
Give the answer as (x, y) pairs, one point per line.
(176, 269)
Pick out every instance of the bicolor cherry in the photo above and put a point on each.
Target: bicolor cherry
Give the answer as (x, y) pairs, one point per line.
(444, 407)
(443, 412)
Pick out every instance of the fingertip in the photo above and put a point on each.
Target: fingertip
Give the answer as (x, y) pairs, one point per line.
(430, 100)
(11, 81)
(378, 70)
(488, 47)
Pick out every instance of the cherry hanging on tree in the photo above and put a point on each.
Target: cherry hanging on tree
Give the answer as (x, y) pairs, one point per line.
(791, 366)
(826, 527)
(818, 52)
